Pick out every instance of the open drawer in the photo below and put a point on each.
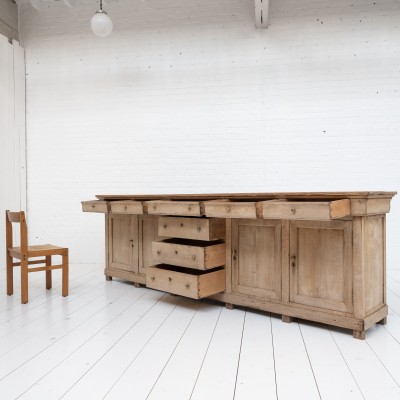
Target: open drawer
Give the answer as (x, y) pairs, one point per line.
(232, 209)
(97, 206)
(189, 253)
(185, 282)
(192, 228)
(127, 207)
(306, 210)
(169, 207)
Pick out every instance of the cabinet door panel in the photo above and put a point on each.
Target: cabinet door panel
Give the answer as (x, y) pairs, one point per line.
(123, 244)
(321, 264)
(256, 258)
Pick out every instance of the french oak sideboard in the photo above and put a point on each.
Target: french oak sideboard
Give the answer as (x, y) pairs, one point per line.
(314, 256)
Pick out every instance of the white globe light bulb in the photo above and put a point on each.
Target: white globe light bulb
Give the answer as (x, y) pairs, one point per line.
(101, 24)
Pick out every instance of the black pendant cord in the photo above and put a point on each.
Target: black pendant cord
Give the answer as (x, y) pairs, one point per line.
(101, 5)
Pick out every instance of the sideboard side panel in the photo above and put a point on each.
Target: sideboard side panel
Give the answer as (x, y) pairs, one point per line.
(107, 218)
(374, 262)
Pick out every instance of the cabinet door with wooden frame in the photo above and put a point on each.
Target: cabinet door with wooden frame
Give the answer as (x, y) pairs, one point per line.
(257, 258)
(123, 251)
(321, 263)
(148, 233)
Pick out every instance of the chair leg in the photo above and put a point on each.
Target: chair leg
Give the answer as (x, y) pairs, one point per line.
(24, 281)
(48, 273)
(65, 273)
(10, 276)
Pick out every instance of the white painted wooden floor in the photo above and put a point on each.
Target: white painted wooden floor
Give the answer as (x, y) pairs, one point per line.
(110, 340)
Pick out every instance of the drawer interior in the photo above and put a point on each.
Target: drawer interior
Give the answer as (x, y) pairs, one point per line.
(184, 270)
(191, 242)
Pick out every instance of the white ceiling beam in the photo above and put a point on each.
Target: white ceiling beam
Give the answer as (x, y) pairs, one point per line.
(261, 11)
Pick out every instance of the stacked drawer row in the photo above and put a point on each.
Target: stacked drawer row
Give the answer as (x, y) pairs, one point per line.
(190, 263)
(268, 209)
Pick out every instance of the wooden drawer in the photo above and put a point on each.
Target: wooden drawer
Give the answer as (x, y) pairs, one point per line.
(192, 228)
(230, 209)
(127, 207)
(166, 207)
(96, 206)
(307, 210)
(189, 253)
(185, 282)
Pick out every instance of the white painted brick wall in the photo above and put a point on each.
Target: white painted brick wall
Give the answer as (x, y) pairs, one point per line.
(187, 96)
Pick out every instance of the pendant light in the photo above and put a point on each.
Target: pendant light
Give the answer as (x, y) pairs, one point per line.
(101, 23)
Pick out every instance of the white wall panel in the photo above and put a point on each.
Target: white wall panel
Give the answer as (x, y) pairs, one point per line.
(12, 132)
(187, 96)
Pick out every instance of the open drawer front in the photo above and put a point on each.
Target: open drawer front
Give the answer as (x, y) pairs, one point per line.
(192, 228)
(306, 210)
(127, 207)
(232, 209)
(97, 206)
(195, 284)
(189, 253)
(170, 207)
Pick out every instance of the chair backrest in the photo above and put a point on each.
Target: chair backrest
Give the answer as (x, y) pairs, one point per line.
(18, 218)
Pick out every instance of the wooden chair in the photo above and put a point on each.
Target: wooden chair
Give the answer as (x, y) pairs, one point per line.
(24, 253)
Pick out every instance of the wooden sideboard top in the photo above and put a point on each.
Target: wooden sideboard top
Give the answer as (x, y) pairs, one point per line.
(250, 196)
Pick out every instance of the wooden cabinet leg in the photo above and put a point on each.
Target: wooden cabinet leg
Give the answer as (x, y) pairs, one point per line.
(229, 306)
(137, 284)
(383, 321)
(359, 335)
(287, 319)
(108, 278)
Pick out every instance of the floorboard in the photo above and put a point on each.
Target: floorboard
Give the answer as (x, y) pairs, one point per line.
(178, 377)
(103, 375)
(88, 350)
(256, 369)
(217, 377)
(328, 363)
(294, 374)
(373, 379)
(140, 375)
